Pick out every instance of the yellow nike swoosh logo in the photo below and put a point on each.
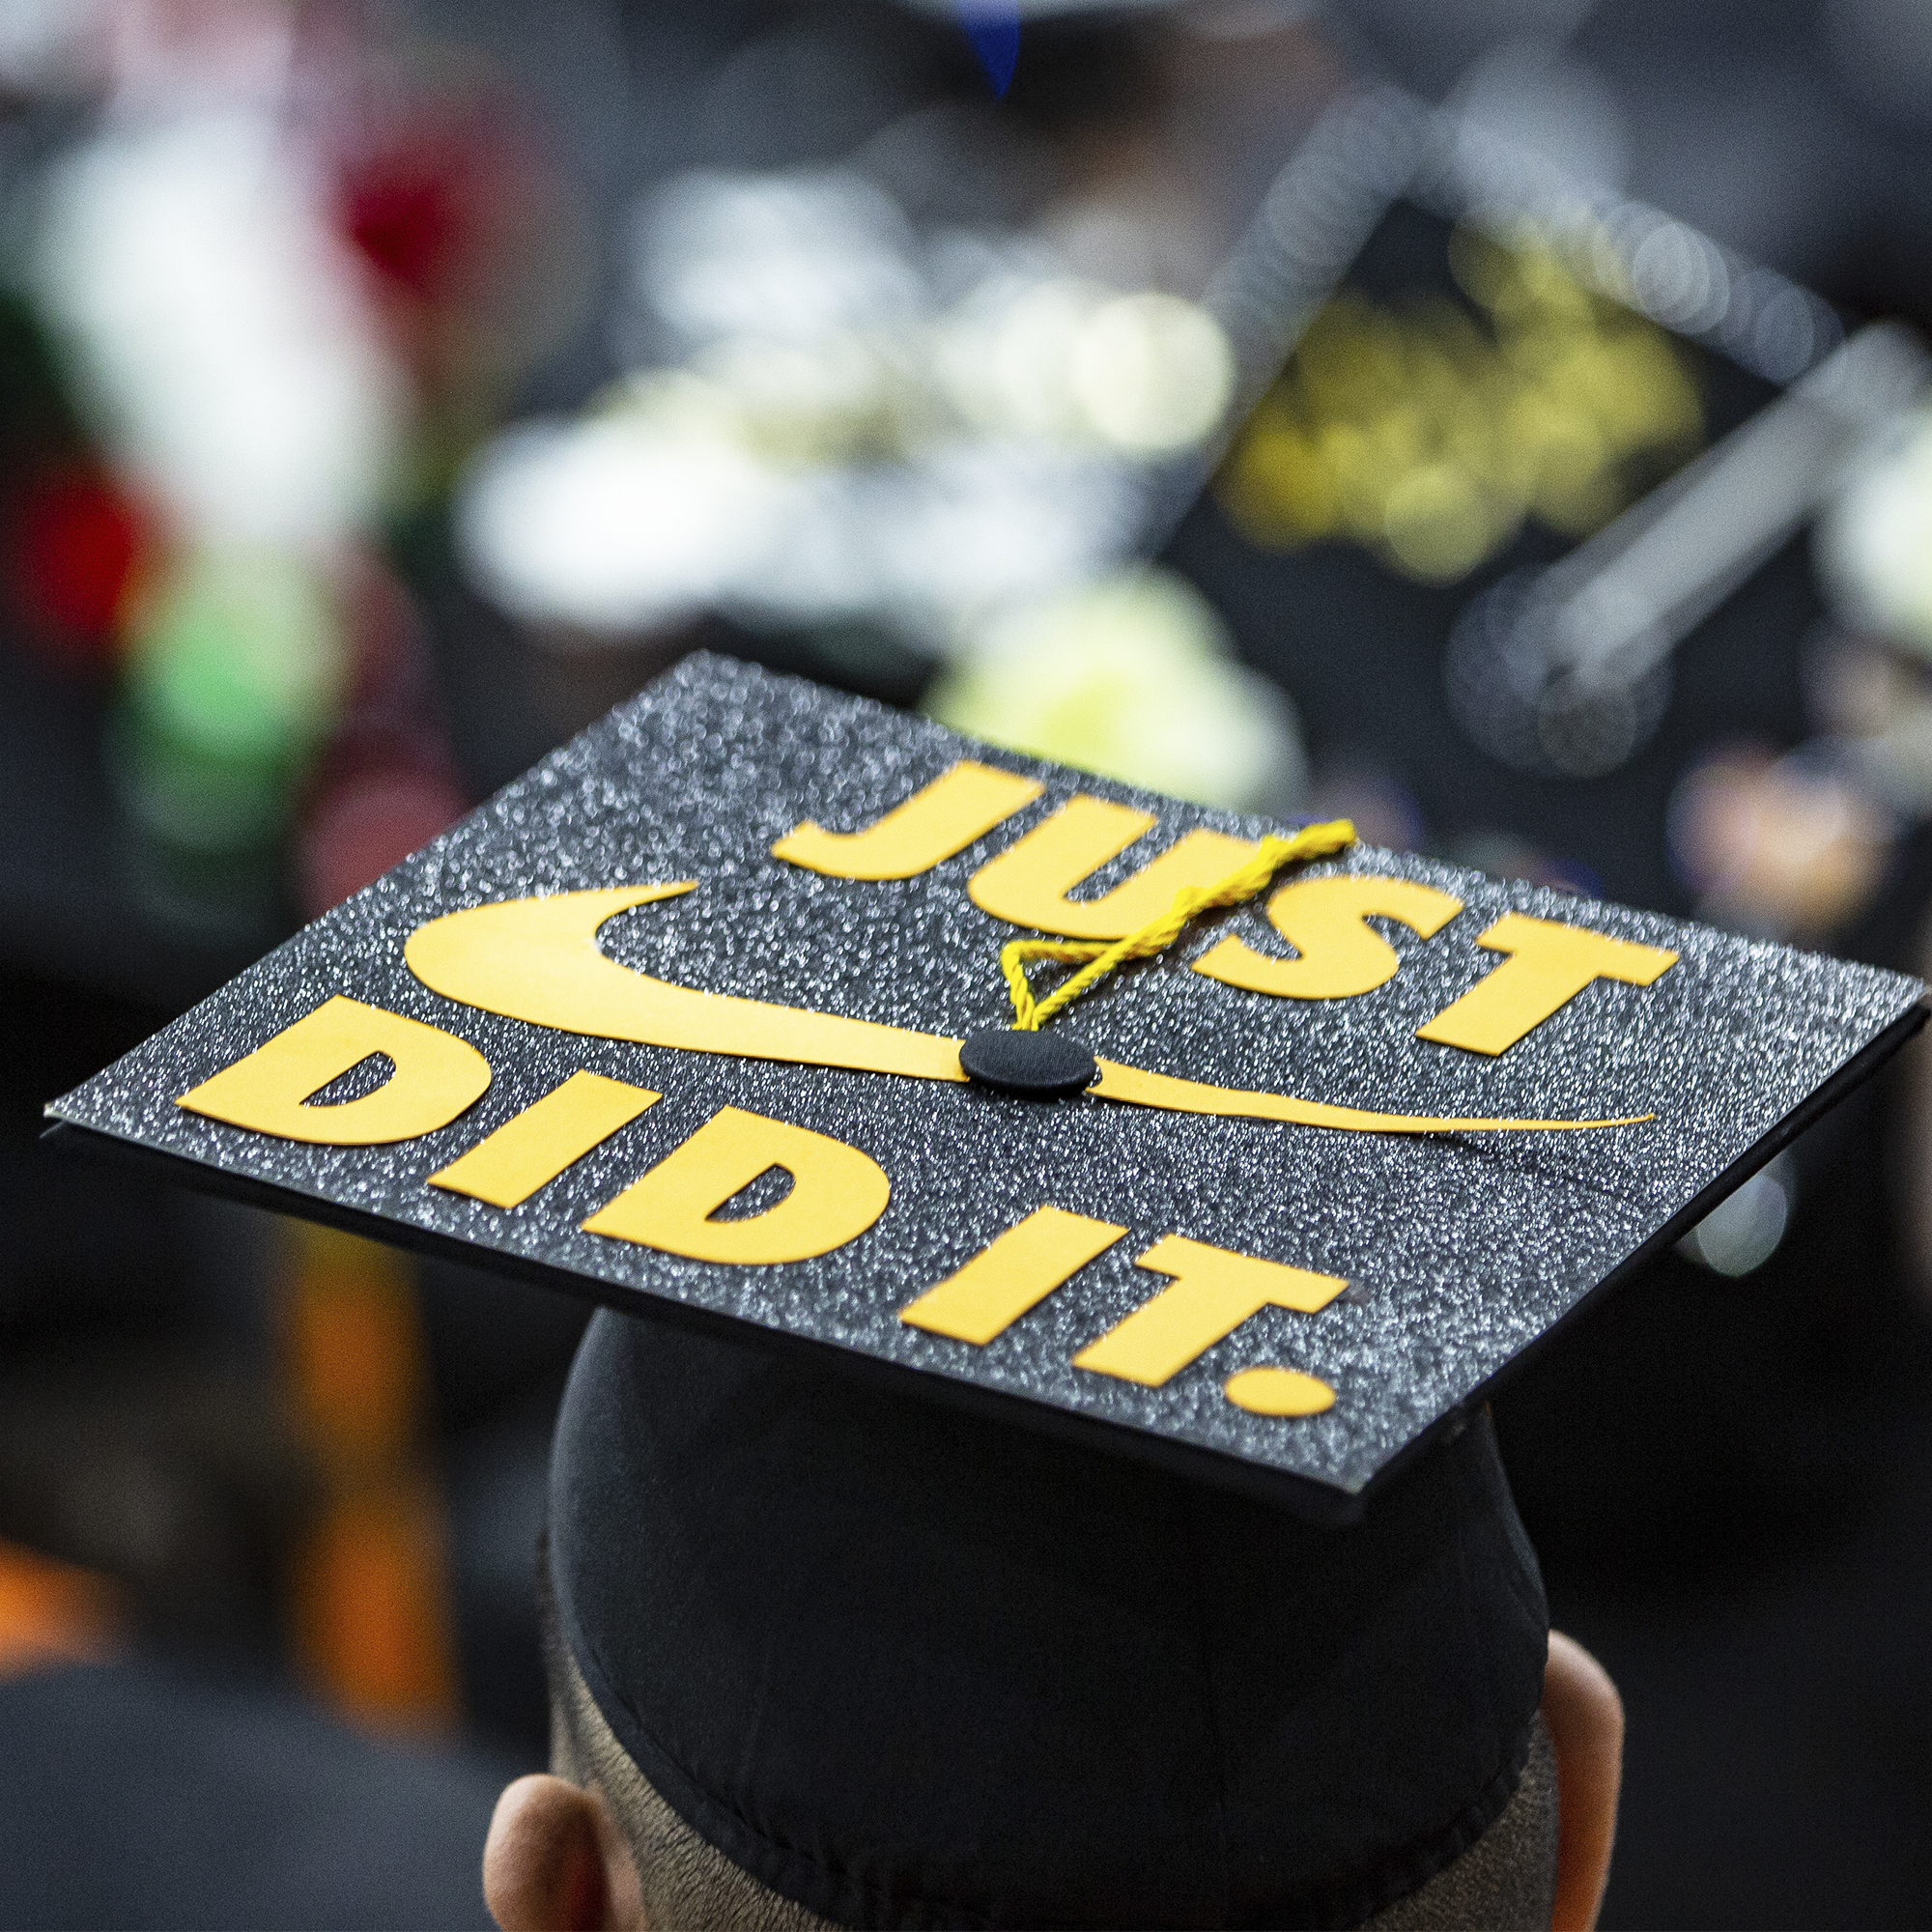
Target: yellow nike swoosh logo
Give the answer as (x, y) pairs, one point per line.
(537, 959)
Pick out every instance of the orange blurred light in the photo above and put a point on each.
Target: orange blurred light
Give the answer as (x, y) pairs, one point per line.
(371, 1613)
(53, 1613)
(354, 1347)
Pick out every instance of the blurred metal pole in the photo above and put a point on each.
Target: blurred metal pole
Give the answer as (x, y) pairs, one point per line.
(1566, 671)
(1614, 606)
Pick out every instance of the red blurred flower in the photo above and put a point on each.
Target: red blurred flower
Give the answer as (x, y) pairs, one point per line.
(408, 207)
(472, 245)
(74, 547)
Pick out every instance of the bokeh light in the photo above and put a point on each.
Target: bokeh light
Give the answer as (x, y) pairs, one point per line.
(1429, 431)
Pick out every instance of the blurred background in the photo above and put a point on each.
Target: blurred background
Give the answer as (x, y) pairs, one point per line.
(1506, 422)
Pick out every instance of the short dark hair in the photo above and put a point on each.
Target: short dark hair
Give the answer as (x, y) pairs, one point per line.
(1507, 1879)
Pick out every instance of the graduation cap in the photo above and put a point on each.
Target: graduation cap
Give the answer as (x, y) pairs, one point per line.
(1252, 1150)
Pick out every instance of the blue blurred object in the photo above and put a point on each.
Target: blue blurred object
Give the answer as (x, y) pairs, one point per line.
(994, 29)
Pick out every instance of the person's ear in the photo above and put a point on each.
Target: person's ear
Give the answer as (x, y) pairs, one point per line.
(1584, 1718)
(556, 1861)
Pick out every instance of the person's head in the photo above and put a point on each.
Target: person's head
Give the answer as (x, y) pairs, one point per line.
(821, 1652)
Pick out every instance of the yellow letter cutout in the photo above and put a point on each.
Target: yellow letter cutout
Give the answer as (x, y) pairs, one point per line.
(1337, 955)
(1550, 964)
(956, 807)
(1271, 1391)
(531, 1149)
(1214, 1292)
(1028, 884)
(1012, 1273)
(435, 1077)
(837, 1194)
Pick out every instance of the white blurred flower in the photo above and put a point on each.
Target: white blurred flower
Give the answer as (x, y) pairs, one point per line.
(1133, 678)
(836, 449)
(972, 529)
(1875, 545)
(787, 256)
(616, 524)
(1004, 356)
(1154, 374)
(220, 329)
(1057, 359)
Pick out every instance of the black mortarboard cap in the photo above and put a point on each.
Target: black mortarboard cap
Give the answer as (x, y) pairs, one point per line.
(677, 1021)
(1349, 1149)
(910, 1670)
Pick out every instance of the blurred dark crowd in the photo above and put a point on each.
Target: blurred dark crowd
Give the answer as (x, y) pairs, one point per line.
(1507, 422)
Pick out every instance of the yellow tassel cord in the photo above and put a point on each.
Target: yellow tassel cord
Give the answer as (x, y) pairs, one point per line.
(1312, 841)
